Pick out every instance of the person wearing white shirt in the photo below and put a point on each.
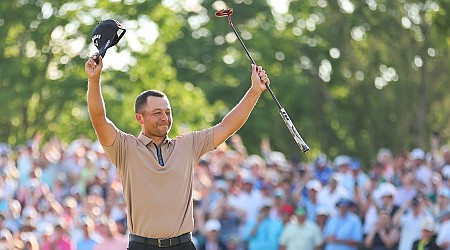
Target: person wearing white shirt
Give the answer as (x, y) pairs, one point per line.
(443, 236)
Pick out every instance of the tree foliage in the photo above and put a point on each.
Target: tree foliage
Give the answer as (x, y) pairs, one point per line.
(353, 75)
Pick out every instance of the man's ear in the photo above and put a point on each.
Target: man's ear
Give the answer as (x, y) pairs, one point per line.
(139, 118)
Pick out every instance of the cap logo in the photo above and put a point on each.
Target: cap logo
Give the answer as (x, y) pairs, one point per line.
(95, 39)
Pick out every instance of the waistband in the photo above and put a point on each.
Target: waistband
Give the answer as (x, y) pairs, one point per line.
(162, 242)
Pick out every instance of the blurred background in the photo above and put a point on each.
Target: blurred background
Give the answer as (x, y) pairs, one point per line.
(364, 81)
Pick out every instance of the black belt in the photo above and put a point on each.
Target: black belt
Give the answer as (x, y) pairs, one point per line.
(162, 242)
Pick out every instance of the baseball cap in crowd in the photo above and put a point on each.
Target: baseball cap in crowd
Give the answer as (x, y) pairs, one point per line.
(321, 211)
(356, 164)
(105, 35)
(417, 154)
(342, 160)
(300, 211)
(314, 185)
(427, 224)
(279, 193)
(212, 225)
(344, 202)
(385, 189)
(321, 160)
(444, 215)
(445, 192)
(287, 209)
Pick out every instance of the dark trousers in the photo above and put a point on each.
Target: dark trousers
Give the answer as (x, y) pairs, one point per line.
(140, 246)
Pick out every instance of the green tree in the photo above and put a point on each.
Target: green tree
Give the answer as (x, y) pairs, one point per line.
(43, 84)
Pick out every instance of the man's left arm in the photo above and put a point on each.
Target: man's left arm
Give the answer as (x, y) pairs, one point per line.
(236, 118)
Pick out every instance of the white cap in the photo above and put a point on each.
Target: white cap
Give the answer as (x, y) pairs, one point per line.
(417, 154)
(342, 160)
(322, 211)
(386, 189)
(212, 225)
(427, 223)
(278, 159)
(314, 185)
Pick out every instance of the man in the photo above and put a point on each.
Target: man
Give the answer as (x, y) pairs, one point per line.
(344, 230)
(157, 172)
(301, 233)
(112, 239)
(212, 227)
(87, 241)
(443, 236)
(408, 218)
(264, 232)
(428, 236)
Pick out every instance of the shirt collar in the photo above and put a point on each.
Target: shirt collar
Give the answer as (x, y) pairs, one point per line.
(147, 140)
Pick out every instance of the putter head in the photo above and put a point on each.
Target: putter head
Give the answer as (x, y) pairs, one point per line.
(222, 13)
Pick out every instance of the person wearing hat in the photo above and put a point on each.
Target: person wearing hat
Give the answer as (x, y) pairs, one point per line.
(443, 236)
(321, 217)
(301, 233)
(344, 230)
(310, 202)
(427, 240)
(212, 228)
(443, 201)
(382, 199)
(409, 218)
(330, 194)
(264, 233)
(156, 171)
(322, 171)
(383, 236)
(422, 172)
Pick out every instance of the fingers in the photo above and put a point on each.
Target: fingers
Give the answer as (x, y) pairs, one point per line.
(262, 75)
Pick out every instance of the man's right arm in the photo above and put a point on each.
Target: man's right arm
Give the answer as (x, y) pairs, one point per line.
(105, 129)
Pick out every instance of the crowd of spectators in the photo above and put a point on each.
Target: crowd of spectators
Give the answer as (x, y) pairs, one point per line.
(54, 196)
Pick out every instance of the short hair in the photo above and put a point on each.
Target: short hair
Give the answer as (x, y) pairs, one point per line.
(141, 100)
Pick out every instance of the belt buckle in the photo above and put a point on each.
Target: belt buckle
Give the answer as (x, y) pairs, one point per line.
(161, 241)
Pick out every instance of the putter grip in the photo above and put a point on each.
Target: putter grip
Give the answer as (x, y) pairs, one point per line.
(298, 139)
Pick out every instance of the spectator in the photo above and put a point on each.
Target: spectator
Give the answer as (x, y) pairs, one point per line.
(249, 199)
(383, 236)
(443, 236)
(428, 236)
(322, 171)
(382, 199)
(409, 222)
(264, 232)
(230, 220)
(87, 242)
(443, 202)
(62, 239)
(47, 232)
(6, 239)
(331, 194)
(321, 218)
(111, 238)
(407, 191)
(286, 212)
(310, 202)
(344, 230)
(212, 242)
(301, 233)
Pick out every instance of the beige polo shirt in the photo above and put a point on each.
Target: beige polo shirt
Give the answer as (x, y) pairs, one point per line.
(159, 198)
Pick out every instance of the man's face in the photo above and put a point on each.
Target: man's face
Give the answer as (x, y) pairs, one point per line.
(156, 118)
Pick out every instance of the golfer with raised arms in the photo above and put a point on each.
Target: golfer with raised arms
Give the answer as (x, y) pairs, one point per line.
(156, 171)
